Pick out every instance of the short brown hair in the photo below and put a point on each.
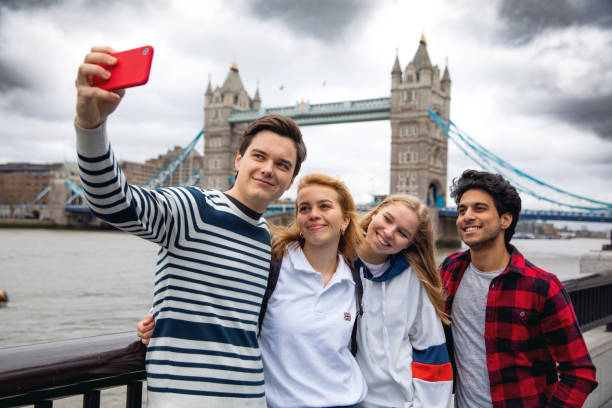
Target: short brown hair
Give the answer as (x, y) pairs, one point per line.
(282, 126)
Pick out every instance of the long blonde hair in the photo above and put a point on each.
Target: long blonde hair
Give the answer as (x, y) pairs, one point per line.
(420, 254)
(349, 241)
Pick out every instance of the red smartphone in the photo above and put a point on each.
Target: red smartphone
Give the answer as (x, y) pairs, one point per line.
(132, 69)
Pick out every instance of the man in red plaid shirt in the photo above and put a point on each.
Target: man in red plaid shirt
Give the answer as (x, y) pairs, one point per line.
(516, 339)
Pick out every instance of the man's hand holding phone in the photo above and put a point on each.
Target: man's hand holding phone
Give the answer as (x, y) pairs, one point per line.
(101, 80)
(95, 104)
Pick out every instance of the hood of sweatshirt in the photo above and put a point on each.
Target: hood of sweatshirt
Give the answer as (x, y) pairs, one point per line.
(399, 264)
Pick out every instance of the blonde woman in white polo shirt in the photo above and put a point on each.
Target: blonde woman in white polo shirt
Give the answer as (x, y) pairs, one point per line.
(310, 315)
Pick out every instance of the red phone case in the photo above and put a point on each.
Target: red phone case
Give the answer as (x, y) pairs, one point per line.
(132, 69)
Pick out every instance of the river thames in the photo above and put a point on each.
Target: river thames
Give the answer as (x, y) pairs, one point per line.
(70, 284)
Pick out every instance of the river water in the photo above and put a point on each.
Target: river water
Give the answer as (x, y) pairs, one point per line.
(72, 284)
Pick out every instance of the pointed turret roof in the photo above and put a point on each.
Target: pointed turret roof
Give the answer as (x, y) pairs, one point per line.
(421, 58)
(396, 66)
(446, 75)
(257, 97)
(233, 82)
(209, 88)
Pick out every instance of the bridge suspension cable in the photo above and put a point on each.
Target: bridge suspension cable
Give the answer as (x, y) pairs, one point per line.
(159, 179)
(521, 180)
(193, 178)
(41, 195)
(77, 191)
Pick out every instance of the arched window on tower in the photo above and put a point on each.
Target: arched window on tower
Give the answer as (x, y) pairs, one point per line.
(434, 198)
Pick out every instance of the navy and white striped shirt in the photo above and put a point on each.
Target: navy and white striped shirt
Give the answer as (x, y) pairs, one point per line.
(212, 271)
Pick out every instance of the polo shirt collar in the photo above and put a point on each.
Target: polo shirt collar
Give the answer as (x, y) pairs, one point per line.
(299, 262)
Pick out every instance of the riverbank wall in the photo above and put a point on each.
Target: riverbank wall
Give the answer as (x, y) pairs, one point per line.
(599, 343)
(27, 223)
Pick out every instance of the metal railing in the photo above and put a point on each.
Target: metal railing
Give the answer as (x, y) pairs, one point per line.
(592, 299)
(38, 374)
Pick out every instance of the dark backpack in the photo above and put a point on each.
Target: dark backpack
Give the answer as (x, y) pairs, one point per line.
(275, 266)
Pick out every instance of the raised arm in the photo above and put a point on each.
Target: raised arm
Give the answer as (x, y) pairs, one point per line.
(149, 214)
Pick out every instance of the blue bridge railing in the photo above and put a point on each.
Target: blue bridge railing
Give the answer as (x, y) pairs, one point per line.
(305, 113)
(590, 216)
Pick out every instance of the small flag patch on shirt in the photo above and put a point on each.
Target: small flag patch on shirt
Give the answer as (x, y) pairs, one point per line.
(347, 316)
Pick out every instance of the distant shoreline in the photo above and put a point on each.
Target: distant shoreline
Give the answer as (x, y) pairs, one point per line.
(6, 223)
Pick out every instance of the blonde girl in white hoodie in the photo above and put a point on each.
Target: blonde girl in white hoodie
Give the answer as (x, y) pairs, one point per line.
(401, 343)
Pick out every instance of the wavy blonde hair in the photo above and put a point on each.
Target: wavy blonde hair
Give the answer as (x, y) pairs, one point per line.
(283, 237)
(420, 253)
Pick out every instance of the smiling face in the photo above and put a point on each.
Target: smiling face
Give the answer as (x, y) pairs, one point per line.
(391, 230)
(320, 217)
(479, 224)
(265, 171)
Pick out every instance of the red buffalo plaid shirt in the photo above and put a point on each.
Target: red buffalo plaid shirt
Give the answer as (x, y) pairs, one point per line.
(536, 355)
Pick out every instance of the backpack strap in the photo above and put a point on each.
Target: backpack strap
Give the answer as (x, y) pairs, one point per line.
(359, 293)
(275, 266)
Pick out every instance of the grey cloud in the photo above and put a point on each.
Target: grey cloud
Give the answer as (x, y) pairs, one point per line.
(525, 19)
(322, 19)
(12, 5)
(592, 112)
(27, 4)
(11, 78)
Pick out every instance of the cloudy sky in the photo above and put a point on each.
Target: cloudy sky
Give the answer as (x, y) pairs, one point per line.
(532, 80)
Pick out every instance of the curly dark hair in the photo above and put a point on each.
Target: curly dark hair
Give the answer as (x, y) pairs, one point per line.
(505, 196)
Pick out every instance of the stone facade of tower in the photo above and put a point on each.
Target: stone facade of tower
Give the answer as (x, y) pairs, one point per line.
(222, 138)
(418, 146)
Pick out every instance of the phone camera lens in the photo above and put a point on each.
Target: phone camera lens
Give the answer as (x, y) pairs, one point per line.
(145, 51)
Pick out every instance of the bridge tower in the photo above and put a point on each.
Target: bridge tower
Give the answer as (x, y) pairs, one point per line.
(222, 137)
(418, 146)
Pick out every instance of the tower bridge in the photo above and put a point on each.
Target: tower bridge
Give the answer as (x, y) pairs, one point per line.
(418, 146)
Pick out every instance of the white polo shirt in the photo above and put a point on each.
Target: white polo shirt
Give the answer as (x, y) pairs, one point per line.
(305, 337)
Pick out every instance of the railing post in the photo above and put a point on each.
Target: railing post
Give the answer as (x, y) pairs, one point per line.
(134, 395)
(91, 399)
(609, 327)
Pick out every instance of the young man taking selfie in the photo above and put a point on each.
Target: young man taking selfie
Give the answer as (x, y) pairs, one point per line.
(214, 256)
